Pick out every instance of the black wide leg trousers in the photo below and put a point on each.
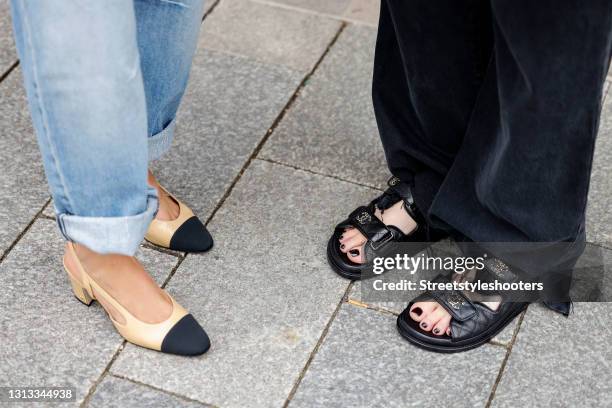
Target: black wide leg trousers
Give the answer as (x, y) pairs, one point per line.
(491, 109)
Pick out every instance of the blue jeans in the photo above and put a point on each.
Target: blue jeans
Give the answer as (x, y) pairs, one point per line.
(104, 81)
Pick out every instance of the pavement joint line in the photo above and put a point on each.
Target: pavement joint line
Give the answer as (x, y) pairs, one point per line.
(105, 372)
(600, 245)
(494, 342)
(316, 348)
(341, 18)
(347, 295)
(362, 305)
(24, 231)
(173, 270)
(9, 70)
(505, 361)
(211, 9)
(174, 394)
(319, 173)
(166, 251)
(275, 124)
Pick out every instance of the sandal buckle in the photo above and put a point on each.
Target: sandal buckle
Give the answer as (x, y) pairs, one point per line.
(387, 237)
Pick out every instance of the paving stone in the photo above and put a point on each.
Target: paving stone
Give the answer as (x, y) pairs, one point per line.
(364, 362)
(333, 7)
(115, 392)
(285, 37)
(8, 54)
(365, 11)
(560, 362)
(48, 337)
(331, 127)
(360, 11)
(264, 293)
(230, 103)
(599, 209)
(22, 180)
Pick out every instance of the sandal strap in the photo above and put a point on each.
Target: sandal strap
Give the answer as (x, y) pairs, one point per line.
(457, 304)
(398, 190)
(376, 232)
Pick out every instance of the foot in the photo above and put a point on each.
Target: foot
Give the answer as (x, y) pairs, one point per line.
(352, 241)
(125, 279)
(434, 318)
(168, 208)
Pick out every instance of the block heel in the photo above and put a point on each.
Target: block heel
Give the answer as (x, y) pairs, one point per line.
(79, 291)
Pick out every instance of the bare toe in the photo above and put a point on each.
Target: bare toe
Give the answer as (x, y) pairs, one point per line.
(443, 325)
(348, 234)
(420, 310)
(430, 321)
(356, 255)
(352, 243)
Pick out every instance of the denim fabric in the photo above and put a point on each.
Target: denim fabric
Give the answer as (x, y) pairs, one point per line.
(491, 109)
(104, 80)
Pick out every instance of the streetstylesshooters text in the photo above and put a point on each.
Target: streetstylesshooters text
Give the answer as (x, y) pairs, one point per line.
(459, 265)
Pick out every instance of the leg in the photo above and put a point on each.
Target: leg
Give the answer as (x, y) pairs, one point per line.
(430, 61)
(523, 170)
(167, 39)
(429, 64)
(94, 150)
(84, 83)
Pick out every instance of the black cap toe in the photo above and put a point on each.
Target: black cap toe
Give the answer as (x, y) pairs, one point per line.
(186, 338)
(192, 236)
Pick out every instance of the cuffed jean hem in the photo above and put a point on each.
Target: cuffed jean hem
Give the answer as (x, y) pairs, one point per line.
(160, 142)
(118, 235)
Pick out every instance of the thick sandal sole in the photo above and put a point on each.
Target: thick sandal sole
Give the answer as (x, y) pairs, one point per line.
(405, 330)
(352, 275)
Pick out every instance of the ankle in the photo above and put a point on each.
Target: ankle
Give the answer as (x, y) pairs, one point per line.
(397, 216)
(95, 264)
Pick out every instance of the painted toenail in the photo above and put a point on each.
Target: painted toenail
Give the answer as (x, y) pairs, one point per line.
(417, 311)
(424, 325)
(354, 253)
(436, 331)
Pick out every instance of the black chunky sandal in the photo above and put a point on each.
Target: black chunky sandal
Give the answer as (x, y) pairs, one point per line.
(380, 237)
(472, 323)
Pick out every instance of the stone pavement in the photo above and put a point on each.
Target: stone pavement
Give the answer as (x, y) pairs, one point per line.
(277, 109)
